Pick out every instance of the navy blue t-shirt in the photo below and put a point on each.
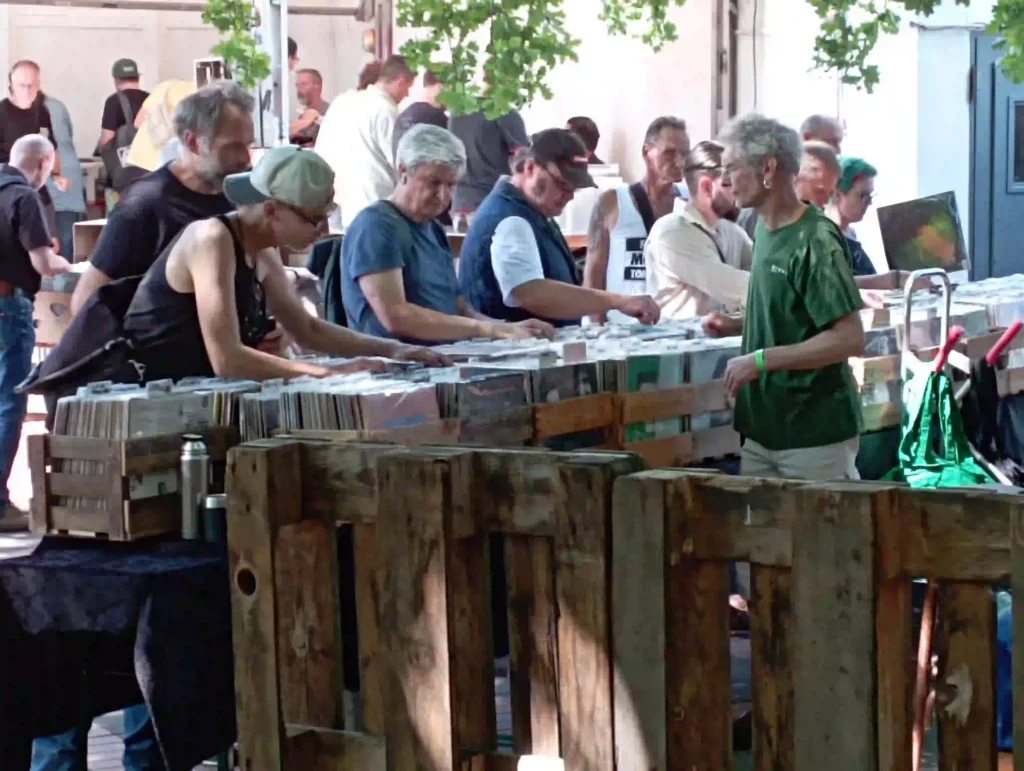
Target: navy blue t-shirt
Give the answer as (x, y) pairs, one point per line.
(382, 238)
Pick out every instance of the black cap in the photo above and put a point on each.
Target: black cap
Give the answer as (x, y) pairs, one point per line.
(567, 152)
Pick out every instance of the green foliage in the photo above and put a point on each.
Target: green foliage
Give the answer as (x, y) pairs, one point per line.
(498, 54)
(1008, 23)
(235, 19)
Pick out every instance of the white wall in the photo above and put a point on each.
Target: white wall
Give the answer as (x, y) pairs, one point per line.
(76, 47)
(623, 86)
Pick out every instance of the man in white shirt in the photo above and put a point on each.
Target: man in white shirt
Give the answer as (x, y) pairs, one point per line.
(356, 139)
(515, 263)
(697, 262)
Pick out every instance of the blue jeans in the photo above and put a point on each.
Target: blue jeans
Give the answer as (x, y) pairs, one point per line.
(17, 339)
(66, 231)
(67, 751)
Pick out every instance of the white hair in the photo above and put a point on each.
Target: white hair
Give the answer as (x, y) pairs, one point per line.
(424, 143)
(754, 137)
(29, 150)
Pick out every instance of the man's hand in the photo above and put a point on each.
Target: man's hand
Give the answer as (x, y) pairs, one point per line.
(739, 372)
(61, 183)
(640, 307)
(716, 324)
(873, 298)
(360, 365)
(59, 265)
(55, 243)
(273, 342)
(524, 330)
(422, 355)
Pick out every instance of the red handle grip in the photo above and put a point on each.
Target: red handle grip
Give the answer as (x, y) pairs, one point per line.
(997, 350)
(940, 360)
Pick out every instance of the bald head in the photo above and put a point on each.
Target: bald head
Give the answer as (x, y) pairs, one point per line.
(823, 128)
(33, 156)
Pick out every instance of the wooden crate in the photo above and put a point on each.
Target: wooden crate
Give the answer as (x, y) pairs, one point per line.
(582, 413)
(84, 236)
(105, 482)
(684, 400)
(830, 619)
(421, 520)
(52, 314)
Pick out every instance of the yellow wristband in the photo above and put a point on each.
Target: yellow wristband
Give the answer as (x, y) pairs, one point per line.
(759, 360)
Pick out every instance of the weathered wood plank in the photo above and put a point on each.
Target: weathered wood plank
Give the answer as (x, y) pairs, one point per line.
(896, 653)
(581, 588)
(638, 622)
(1016, 516)
(264, 487)
(697, 637)
(316, 749)
(834, 588)
(40, 504)
(309, 626)
(412, 550)
(771, 653)
(968, 622)
(371, 681)
(531, 630)
(571, 415)
(346, 480)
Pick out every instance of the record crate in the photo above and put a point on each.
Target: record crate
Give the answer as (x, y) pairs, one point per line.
(684, 400)
(114, 489)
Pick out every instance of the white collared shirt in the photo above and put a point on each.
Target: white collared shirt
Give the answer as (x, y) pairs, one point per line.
(692, 268)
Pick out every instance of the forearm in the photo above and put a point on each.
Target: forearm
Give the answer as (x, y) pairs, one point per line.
(320, 335)
(558, 300)
(469, 312)
(877, 281)
(837, 344)
(413, 321)
(47, 262)
(595, 271)
(251, 364)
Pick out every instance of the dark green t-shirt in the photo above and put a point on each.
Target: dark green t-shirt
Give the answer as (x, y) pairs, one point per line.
(801, 283)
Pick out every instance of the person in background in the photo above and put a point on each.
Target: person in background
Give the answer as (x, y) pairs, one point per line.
(587, 130)
(357, 139)
(156, 144)
(398, 271)
(515, 263)
(27, 248)
(697, 261)
(293, 54)
(796, 401)
(69, 199)
(309, 87)
(126, 81)
(215, 128)
(22, 113)
(490, 145)
(819, 173)
(427, 110)
(823, 128)
(623, 218)
(854, 194)
(369, 75)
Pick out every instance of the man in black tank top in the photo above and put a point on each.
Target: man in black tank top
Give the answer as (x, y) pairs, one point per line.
(202, 308)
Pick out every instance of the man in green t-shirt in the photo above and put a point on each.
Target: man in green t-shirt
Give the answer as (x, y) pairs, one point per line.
(796, 401)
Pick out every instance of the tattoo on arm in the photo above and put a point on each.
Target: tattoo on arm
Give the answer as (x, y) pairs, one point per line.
(597, 232)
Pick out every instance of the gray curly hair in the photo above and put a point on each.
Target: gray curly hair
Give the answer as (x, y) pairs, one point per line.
(754, 137)
(425, 143)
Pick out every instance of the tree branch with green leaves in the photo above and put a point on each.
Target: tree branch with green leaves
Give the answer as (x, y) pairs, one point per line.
(235, 20)
(496, 55)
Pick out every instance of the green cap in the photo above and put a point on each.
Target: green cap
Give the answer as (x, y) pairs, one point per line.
(286, 174)
(125, 69)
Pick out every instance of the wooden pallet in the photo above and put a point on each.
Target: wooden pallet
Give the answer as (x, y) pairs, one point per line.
(421, 520)
(569, 416)
(107, 509)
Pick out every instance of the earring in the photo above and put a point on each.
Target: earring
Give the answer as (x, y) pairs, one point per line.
(767, 183)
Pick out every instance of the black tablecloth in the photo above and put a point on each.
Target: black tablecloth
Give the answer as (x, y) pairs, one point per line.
(88, 627)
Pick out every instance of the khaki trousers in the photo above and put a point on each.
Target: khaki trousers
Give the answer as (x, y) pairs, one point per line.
(822, 464)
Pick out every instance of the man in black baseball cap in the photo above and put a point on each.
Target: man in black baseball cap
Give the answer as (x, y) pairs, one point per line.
(515, 264)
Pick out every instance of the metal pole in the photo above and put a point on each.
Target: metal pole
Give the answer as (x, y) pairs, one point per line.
(284, 117)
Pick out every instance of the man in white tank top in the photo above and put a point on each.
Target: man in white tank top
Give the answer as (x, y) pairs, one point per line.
(623, 217)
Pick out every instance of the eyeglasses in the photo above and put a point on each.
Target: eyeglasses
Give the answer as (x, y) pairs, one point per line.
(706, 166)
(867, 198)
(559, 180)
(315, 221)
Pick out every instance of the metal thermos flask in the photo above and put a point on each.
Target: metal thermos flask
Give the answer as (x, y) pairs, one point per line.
(195, 484)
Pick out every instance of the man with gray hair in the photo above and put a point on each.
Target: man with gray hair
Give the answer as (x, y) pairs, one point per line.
(823, 128)
(796, 401)
(398, 271)
(26, 254)
(214, 126)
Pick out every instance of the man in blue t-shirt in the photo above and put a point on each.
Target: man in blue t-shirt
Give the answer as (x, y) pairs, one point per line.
(398, 271)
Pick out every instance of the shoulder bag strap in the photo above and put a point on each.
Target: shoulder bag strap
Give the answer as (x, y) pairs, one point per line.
(643, 205)
(126, 108)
